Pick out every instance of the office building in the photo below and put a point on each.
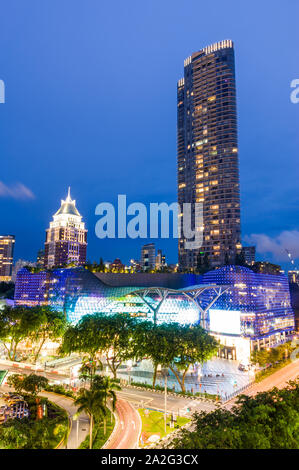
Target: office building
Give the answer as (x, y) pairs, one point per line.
(148, 256)
(40, 258)
(66, 239)
(160, 260)
(7, 243)
(293, 276)
(249, 254)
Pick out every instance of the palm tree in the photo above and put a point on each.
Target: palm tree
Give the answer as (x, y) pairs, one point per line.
(92, 402)
(107, 387)
(88, 369)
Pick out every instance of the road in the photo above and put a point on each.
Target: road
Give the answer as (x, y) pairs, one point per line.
(153, 400)
(279, 379)
(78, 428)
(17, 369)
(128, 427)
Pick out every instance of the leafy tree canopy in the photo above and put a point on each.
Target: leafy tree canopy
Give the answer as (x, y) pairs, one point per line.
(270, 420)
(175, 346)
(17, 324)
(32, 383)
(108, 335)
(37, 324)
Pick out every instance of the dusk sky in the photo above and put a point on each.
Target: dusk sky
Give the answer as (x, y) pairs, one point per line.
(90, 103)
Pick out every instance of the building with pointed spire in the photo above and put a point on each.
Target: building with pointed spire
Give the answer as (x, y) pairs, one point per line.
(66, 238)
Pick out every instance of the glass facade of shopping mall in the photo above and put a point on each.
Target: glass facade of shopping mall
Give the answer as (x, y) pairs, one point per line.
(232, 301)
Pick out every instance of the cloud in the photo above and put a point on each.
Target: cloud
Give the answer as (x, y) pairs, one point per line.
(16, 191)
(277, 246)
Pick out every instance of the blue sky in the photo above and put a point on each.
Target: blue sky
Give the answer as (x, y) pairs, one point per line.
(91, 103)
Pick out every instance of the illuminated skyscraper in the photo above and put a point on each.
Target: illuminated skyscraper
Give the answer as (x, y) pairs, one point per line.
(7, 243)
(208, 170)
(66, 239)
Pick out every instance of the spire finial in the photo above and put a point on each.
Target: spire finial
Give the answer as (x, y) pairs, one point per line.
(69, 194)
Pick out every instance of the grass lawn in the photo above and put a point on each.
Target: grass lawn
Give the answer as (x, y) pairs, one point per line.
(99, 438)
(2, 375)
(153, 424)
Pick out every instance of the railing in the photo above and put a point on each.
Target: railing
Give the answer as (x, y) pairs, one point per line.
(237, 392)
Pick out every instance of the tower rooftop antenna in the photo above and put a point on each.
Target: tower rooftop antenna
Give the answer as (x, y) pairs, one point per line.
(69, 194)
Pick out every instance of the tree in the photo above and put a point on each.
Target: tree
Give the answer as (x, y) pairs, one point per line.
(107, 386)
(15, 434)
(82, 337)
(261, 357)
(190, 344)
(91, 402)
(52, 325)
(101, 266)
(102, 334)
(150, 341)
(88, 369)
(32, 383)
(7, 290)
(16, 325)
(267, 421)
(175, 346)
(27, 434)
(272, 355)
(116, 340)
(16, 381)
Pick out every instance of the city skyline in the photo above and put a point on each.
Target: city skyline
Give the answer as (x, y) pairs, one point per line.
(75, 147)
(149, 237)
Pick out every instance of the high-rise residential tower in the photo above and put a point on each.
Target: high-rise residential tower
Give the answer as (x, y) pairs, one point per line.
(7, 243)
(66, 239)
(208, 170)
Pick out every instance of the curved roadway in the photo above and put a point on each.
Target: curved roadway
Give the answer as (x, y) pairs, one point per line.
(127, 429)
(278, 379)
(79, 428)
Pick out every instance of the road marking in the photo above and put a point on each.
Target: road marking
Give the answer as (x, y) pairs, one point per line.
(136, 399)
